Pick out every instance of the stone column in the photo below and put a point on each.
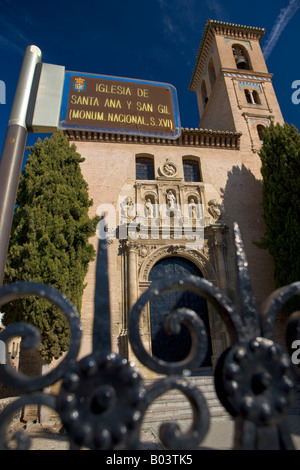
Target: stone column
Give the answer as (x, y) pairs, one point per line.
(220, 339)
(132, 274)
(204, 204)
(132, 290)
(130, 286)
(245, 115)
(220, 244)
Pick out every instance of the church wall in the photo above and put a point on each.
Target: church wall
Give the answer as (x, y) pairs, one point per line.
(231, 177)
(238, 97)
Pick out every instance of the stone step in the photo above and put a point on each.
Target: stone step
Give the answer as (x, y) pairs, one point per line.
(180, 417)
(171, 406)
(174, 406)
(170, 399)
(178, 405)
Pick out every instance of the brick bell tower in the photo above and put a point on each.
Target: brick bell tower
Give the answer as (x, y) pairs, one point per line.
(232, 83)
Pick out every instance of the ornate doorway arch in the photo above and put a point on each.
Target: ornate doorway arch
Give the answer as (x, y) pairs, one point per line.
(175, 347)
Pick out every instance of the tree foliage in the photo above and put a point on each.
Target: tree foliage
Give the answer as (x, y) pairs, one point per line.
(280, 156)
(50, 238)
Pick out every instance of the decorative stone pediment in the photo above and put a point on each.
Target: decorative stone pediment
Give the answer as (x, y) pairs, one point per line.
(199, 257)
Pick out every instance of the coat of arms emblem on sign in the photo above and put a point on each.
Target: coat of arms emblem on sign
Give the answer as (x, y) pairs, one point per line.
(79, 84)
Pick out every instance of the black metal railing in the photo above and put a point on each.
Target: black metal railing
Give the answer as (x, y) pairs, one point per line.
(103, 399)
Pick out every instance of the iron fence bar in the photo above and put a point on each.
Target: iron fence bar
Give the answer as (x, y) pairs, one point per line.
(103, 399)
(102, 327)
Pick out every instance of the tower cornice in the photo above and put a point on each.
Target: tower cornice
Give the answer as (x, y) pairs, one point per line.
(236, 30)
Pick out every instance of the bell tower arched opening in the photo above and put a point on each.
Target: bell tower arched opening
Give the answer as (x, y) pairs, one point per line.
(241, 57)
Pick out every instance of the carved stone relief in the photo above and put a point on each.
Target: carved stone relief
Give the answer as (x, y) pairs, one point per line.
(168, 169)
(214, 210)
(128, 209)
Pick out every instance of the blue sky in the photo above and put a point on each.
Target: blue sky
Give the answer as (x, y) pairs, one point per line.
(149, 39)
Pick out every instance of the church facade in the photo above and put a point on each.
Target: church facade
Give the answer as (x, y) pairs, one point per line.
(170, 204)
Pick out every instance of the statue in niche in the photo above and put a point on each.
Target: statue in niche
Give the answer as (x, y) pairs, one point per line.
(127, 209)
(171, 199)
(214, 209)
(192, 209)
(149, 207)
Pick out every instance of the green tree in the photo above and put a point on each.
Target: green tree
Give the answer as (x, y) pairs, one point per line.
(280, 156)
(49, 239)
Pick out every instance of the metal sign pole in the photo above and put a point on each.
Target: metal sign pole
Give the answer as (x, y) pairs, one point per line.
(13, 150)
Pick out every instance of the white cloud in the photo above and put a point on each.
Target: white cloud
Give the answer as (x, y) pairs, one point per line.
(285, 15)
(216, 8)
(6, 43)
(179, 19)
(13, 30)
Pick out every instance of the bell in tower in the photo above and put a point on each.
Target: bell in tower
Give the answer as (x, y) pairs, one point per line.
(240, 57)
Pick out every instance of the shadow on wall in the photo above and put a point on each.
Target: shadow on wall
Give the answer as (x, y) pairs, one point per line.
(241, 203)
(241, 199)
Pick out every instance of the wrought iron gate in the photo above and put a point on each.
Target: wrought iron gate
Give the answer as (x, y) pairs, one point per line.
(103, 399)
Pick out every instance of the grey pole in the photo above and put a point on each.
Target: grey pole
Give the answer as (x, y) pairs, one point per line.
(13, 150)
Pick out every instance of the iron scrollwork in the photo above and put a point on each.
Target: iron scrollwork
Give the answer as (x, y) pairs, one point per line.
(103, 398)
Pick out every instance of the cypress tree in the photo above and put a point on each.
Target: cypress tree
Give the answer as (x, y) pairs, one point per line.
(280, 156)
(49, 239)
